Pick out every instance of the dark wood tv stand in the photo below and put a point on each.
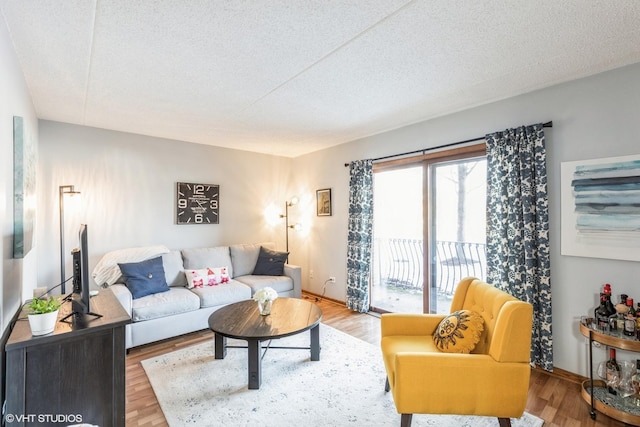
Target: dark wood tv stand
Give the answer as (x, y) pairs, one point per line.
(74, 375)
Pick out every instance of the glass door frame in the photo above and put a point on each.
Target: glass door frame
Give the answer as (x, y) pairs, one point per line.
(426, 160)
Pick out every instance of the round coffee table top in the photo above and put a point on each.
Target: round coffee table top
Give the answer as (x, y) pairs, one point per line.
(242, 320)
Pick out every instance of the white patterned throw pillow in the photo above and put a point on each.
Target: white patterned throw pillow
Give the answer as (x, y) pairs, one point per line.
(210, 276)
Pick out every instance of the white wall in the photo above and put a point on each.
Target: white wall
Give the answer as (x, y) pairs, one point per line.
(128, 191)
(593, 117)
(14, 101)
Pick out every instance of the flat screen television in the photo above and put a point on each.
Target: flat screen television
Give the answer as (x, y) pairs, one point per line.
(81, 296)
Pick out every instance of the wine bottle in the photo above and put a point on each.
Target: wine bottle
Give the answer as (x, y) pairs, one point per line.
(610, 308)
(612, 314)
(630, 320)
(601, 314)
(613, 371)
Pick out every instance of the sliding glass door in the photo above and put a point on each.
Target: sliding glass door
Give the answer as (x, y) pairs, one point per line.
(398, 252)
(457, 227)
(429, 229)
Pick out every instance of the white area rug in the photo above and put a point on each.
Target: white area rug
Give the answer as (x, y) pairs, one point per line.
(344, 388)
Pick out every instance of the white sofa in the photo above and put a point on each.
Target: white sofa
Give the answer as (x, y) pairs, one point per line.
(182, 310)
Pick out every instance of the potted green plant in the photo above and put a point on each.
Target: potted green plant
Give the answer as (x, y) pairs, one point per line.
(43, 315)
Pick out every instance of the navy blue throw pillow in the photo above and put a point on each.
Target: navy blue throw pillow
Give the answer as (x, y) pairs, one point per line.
(145, 277)
(270, 263)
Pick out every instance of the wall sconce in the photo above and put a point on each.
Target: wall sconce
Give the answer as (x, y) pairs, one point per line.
(297, 226)
(64, 190)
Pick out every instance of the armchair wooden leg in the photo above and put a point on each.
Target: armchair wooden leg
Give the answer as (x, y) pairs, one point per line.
(504, 422)
(405, 420)
(387, 387)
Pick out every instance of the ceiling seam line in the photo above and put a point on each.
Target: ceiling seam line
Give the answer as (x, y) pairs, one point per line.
(91, 51)
(343, 45)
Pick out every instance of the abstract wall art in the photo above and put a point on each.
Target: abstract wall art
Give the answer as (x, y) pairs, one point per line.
(600, 202)
(24, 188)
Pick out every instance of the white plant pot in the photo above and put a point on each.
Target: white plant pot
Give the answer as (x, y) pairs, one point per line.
(42, 324)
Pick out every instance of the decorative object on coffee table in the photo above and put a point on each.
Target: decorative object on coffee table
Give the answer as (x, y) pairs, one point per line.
(197, 203)
(265, 298)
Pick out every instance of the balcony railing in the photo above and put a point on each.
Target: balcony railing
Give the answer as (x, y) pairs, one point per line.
(400, 264)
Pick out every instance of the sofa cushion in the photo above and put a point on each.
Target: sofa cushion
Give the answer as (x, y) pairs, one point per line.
(270, 262)
(459, 332)
(206, 277)
(278, 283)
(197, 258)
(107, 272)
(245, 256)
(174, 268)
(227, 293)
(174, 301)
(145, 277)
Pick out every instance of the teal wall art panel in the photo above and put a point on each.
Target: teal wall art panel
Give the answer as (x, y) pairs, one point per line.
(601, 208)
(24, 186)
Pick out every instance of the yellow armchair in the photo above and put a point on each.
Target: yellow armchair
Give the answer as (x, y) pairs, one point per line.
(493, 380)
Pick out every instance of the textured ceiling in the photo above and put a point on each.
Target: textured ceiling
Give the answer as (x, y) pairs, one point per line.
(289, 77)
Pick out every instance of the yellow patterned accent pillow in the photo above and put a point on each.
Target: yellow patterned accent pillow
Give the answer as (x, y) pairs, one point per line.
(459, 332)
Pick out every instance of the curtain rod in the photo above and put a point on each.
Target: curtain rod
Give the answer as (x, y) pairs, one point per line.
(452, 144)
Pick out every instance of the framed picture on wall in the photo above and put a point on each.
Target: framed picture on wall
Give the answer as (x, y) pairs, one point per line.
(24, 188)
(600, 213)
(323, 200)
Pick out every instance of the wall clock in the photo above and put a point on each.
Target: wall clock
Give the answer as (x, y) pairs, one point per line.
(197, 203)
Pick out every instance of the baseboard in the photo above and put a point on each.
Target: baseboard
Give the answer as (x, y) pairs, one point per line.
(564, 375)
(309, 295)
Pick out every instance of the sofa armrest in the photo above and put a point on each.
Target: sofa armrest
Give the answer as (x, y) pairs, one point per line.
(511, 340)
(295, 273)
(409, 324)
(124, 297)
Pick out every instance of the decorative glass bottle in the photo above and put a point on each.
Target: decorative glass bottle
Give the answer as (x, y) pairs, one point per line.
(625, 386)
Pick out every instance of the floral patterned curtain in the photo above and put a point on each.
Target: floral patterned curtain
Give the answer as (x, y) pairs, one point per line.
(518, 227)
(360, 234)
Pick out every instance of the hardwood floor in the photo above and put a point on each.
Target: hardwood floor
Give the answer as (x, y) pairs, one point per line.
(553, 397)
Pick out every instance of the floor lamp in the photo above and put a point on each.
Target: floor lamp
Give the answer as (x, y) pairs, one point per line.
(294, 201)
(63, 190)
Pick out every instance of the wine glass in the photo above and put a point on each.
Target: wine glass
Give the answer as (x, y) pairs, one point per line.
(602, 370)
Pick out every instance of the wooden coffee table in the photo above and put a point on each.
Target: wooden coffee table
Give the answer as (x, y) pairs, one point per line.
(241, 320)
